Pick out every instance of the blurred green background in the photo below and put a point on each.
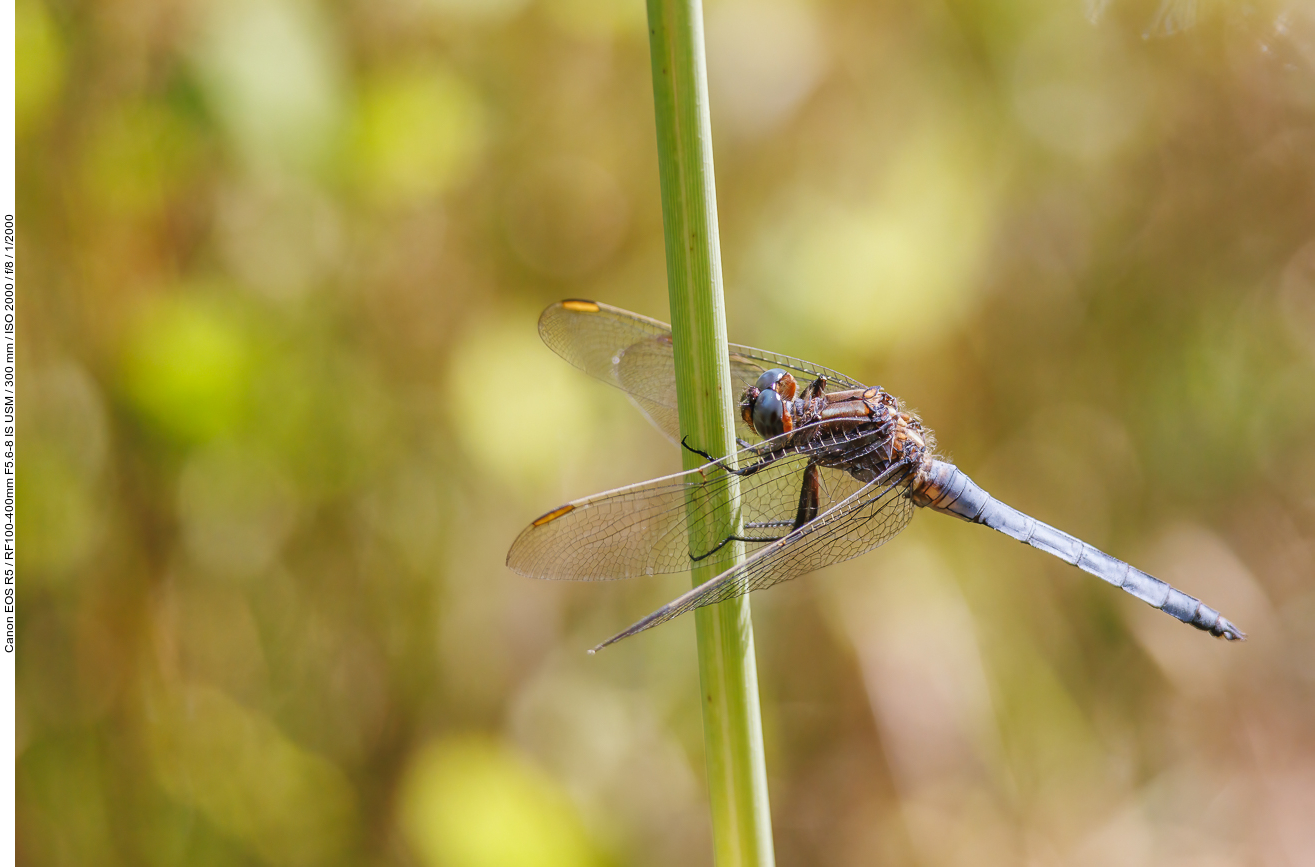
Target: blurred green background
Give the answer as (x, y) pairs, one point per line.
(284, 409)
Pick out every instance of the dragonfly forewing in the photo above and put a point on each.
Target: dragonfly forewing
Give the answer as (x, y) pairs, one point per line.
(645, 529)
(865, 519)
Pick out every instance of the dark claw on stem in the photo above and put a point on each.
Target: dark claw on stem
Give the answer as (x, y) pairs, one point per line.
(707, 457)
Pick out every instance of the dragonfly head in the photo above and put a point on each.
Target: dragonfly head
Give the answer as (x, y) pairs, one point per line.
(764, 405)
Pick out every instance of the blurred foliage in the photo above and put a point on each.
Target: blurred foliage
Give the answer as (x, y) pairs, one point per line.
(284, 409)
(468, 804)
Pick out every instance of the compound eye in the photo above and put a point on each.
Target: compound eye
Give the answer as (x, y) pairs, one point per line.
(770, 378)
(769, 415)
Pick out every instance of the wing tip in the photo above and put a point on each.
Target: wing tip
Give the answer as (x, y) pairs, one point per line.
(663, 614)
(570, 305)
(615, 638)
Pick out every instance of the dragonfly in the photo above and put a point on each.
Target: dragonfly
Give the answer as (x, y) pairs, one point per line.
(825, 471)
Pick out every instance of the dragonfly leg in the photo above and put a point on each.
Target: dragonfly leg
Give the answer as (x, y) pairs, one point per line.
(810, 495)
(809, 499)
(721, 462)
(694, 558)
(815, 388)
(684, 443)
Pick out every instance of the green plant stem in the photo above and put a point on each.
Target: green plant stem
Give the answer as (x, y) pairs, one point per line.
(732, 720)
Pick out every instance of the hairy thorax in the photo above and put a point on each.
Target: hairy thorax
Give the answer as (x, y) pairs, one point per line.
(863, 431)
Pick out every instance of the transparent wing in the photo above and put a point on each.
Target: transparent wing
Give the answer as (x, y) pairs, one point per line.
(865, 519)
(634, 353)
(643, 529)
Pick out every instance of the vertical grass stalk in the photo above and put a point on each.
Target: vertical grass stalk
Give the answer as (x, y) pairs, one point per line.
(732, 720)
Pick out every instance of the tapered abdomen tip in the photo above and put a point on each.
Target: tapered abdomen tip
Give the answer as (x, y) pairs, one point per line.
(1228, 631)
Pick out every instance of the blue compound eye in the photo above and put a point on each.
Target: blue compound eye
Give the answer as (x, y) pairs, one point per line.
(768, 414)
(770, 378)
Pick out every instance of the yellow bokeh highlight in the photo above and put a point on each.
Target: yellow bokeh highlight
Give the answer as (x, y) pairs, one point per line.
(418, 132)
(902, 261)
(185, 370)
(554, 406)
(471, 802)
